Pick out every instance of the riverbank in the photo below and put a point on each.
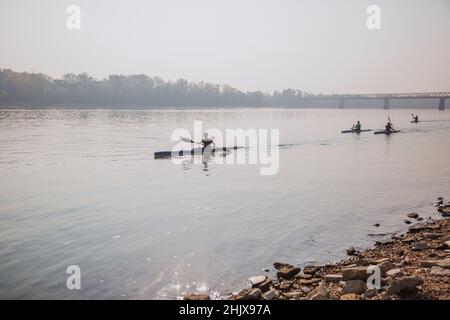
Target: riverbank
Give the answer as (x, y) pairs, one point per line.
(411, 265)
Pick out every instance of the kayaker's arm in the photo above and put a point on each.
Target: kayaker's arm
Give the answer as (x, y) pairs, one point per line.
(188, 140)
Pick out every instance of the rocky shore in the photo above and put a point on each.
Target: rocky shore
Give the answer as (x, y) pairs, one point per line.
(411, 265)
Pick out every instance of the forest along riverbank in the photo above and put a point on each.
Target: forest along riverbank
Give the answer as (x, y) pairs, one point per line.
(413, 265)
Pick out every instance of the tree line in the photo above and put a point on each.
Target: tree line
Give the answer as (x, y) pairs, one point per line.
(140, 90)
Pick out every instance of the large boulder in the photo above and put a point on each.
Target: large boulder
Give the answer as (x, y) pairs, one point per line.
(354, 286)
(404, 284)
(356, 273)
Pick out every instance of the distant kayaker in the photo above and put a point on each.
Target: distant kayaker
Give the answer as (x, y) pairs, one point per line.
(206, 141)
(389, 126)
(415, 118)
(357, 126)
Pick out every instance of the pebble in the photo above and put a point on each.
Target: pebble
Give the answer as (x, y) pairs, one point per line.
(255, 281)
(285, 270)
(370, 293)
(349, 296)
(271, 295)
(397, 272)
(351, 251)
(195, 296)
(333, 277)
(412, 215)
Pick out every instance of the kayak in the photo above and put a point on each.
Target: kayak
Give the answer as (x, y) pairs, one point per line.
(355, 131)
(386, 132)
(412, 121)
(195, 151)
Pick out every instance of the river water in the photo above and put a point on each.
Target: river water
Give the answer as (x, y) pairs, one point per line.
(82, 188)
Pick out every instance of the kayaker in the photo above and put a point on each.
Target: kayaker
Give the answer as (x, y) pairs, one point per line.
(357, 126)
(206, 141)
(415, 118)
(389, 126)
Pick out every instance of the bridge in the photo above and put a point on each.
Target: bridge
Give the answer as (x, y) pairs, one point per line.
(386, 97)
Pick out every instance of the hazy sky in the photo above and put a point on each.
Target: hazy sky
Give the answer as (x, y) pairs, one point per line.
(314, 45)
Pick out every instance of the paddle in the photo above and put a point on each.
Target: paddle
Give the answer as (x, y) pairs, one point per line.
(188, 140)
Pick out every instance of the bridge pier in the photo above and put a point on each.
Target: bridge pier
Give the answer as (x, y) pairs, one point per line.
(441, 104)
(386, 103)
(341, 103)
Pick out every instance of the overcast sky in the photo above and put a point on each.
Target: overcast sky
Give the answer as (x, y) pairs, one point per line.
(314, 45)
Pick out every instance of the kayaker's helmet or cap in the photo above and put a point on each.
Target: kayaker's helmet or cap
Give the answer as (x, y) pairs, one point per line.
(358, 121)
(205, 136)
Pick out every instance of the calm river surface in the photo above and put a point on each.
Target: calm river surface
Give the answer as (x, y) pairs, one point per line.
(82, 188)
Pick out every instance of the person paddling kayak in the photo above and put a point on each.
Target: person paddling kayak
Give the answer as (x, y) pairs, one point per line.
(389, 126)
(415, 118)
(357, 126)
(206, 141)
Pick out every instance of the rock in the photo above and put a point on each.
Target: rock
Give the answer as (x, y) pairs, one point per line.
(310, 270)
(407, 221)
(431, 235)
(352, 251)
(320, 293)
(305, 276)
(419, 246)
(378, 261)
(370, 293)
(438, 271)
(271, 295)
(288, 272)
(409, 240)
(333, 278)
(285, 270)
(293, 294)
(358, 273)
(428, 263)
(349, 296)
(404, 284)
(196, 296)
(385, 296)
(354, 286)
(397, 272)
(446, 245)
(255, 281)
(419, 219)
(416, 229)
(412, 215)
(445, 263)
(254, 294)
(385, 267)
(285, 286)
(265, 286)
(309, 282)
(305, 289)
